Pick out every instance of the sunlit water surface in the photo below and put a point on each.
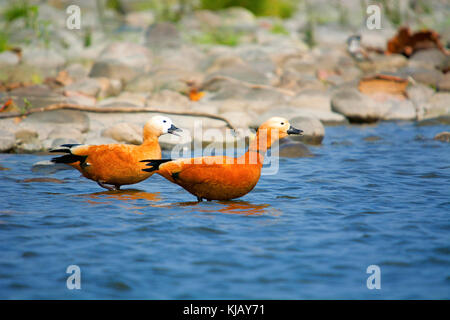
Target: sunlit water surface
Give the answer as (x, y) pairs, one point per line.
(309, 232)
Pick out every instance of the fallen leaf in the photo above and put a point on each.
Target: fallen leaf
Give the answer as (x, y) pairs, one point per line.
(405, 42)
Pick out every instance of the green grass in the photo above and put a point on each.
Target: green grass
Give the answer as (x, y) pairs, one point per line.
(21, 10)
(278, 28)
(4, 41)
(275, 8)
(218, 36)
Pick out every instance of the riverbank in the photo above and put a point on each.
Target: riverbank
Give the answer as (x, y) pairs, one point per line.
(226, 63)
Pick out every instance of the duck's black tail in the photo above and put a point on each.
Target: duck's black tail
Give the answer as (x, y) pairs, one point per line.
(154, 164)
(68, 158)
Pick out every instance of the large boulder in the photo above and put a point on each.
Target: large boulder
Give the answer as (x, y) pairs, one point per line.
(7, 140)
(70, 118)
(124, 132)
(357, 107)
(162, 35)
(122, 60)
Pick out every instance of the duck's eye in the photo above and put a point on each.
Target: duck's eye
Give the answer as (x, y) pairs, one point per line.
(164, 121)
(282, 123)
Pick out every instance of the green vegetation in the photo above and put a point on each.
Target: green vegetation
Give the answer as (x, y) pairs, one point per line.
(30, 15)
(218, 36)
(4, 41)
(22, 10)
(276, 8)
(278, 28)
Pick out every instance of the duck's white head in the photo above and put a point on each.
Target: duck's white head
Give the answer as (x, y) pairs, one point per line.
(159, 125)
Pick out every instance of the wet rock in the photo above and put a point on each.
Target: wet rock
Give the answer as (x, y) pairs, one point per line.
(122, 60)
(443, 136)
(48, 167)
(293, 149)
(71, 118)
(313, 130)
(162, 35)
(7, 140)
(357, 107)
(124, 132)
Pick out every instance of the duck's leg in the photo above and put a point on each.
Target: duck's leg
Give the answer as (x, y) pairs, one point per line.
(199, 199)
(103, 185)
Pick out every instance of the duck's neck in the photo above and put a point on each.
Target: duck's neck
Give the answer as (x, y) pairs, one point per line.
(149, 138)
(257, 149)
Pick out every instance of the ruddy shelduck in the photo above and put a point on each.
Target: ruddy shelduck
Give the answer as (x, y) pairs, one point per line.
(221, 177)
(114, 165)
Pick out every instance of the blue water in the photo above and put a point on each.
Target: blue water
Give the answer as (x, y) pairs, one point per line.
(309, 232)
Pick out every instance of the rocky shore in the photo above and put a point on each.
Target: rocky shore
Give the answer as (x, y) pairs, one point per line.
(245, 68)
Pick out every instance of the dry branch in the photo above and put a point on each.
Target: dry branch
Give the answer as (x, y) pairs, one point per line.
(69, 106)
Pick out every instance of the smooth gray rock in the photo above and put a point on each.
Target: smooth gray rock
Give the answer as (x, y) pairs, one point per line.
(357, 107)
(122, 60)
(73, 118)
(7, 140)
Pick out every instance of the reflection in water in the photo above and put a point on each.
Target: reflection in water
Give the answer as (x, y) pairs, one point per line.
(230, 207)
(126, 197)
(246, 208)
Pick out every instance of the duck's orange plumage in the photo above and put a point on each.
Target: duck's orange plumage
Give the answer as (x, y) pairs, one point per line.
(220, 177)
(114, 165)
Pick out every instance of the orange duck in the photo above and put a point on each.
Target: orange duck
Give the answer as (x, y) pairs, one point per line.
(221, 177)
(114, 165)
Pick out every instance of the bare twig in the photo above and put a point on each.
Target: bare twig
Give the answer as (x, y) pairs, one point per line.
(69, 106)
